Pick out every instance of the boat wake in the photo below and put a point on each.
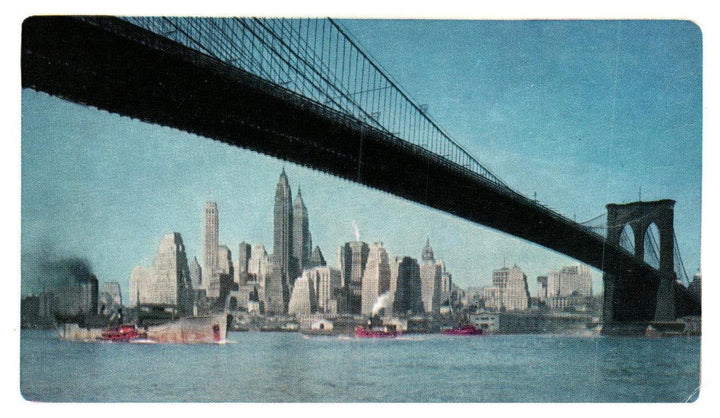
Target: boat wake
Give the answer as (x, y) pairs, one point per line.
(411, 338)
(143, 341)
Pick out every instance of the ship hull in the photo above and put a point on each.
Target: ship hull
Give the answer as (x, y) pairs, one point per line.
(191, 330)
(362, 332)
(466, 330)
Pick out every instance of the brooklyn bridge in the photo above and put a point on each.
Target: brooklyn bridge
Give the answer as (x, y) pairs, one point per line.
(302, 90)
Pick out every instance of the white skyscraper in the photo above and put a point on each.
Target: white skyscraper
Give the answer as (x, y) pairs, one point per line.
(302, 300)
(430, 278)
(376, 279)
(167, 282)
(211, 230)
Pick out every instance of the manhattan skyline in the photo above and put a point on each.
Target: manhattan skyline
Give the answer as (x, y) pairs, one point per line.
(581, 113)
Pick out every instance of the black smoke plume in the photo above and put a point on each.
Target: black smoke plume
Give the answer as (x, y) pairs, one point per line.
(65, 271)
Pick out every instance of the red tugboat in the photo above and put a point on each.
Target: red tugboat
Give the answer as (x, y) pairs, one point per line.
(375, 329)
(385, 332)
(123, 333)
(463, 330)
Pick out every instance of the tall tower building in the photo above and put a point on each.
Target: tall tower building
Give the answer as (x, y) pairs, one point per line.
(445, 283)
(167, 282)
(542, 288)
(110, 296)
(326, 281)
(568, 286)
(406, 277)
(241, 268)
(195, 273)
(509, 291)
(317, 259)
(376, 279)
(258, 263)
(303, 299)
(223, 271)
(283, 229)
(224, 264)
(516, 296)
(274, 289)
(353, 257)
(302, 240)
(211, 230)
(430, 277)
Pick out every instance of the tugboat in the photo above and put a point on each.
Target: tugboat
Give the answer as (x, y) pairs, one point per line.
(463, 330)
(375, 329)
(123, 333)
(460, 329)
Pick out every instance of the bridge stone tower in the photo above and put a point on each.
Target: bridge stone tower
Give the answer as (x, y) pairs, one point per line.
(639, 216)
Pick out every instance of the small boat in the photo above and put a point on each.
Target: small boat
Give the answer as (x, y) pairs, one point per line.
(387, 331)
(463, 330)
(123, 333)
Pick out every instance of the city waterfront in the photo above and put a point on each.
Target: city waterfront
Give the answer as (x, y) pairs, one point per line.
(290, 367)
(309, 205)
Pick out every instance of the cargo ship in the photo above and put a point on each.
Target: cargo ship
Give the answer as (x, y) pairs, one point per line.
(211, 329)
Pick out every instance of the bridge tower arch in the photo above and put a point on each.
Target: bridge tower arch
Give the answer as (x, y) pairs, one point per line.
(639, 216)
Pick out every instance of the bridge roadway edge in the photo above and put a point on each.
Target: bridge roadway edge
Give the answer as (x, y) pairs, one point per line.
(132, 72)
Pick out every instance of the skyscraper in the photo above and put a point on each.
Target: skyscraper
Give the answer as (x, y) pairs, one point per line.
(241, 268)
(569, 287)
(211, 229)
(223, 269)
(542, 288)
(352, 258)
(283, 229)
(258, 263)
(303, 299)
(302, 240)
(376, 278)
(110, 297)
(195, 273)
(430, 277)
(509, 291)
(326, 281)
(167, 282)
(317, 259)
(573, 280)
(405, 274)
(516, 296)
(445, 283)
(274, 289)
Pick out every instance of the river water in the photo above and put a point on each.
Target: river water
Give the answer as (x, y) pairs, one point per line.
(290, 367)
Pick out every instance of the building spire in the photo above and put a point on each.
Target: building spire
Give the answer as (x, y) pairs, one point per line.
(427, 252)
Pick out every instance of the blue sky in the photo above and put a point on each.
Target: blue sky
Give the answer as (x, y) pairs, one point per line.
(581, 113)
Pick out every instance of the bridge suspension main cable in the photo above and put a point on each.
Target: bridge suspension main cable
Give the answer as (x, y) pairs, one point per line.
(320, 60)
(679, 264)
(652, 249)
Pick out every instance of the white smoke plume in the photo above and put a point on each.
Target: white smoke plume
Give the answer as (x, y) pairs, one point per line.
(382, 302)
(356, 230)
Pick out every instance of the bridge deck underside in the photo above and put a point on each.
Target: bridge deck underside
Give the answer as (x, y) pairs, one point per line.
(126, 70)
